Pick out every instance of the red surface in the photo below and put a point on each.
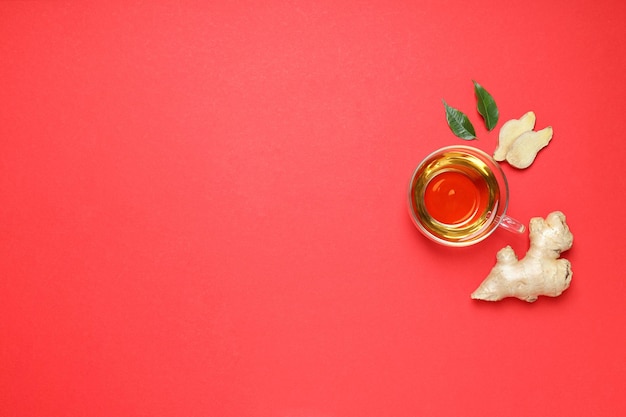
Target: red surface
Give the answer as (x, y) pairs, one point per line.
(203, 209)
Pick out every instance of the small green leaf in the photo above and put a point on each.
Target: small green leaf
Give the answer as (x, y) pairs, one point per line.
(486, 106)
(459, 123)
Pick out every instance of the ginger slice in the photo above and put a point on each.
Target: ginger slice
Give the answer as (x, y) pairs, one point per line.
(510, 131)
(540, 272)
(524, 149)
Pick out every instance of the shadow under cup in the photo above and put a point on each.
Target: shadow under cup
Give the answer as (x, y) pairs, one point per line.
(458, 196)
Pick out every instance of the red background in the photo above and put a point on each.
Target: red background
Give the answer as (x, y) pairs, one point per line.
(203, 209)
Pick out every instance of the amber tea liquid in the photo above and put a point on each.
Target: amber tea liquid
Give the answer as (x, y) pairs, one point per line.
(455, 196)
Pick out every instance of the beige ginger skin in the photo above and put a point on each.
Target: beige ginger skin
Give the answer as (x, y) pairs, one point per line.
(540, 272)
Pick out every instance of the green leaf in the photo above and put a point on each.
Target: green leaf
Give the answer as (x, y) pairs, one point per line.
(459, 123)
(486, 106)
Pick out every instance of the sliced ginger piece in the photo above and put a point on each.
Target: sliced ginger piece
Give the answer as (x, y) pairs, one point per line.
(510, 131)
(524, 149)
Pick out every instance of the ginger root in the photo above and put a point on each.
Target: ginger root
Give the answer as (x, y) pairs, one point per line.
(524, 150)
(510, 131)
(519, 144)
(540, 272)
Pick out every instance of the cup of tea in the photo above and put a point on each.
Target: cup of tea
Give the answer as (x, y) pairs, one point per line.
(458, 196)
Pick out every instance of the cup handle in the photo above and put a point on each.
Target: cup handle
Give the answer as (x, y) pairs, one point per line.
(511, 224)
